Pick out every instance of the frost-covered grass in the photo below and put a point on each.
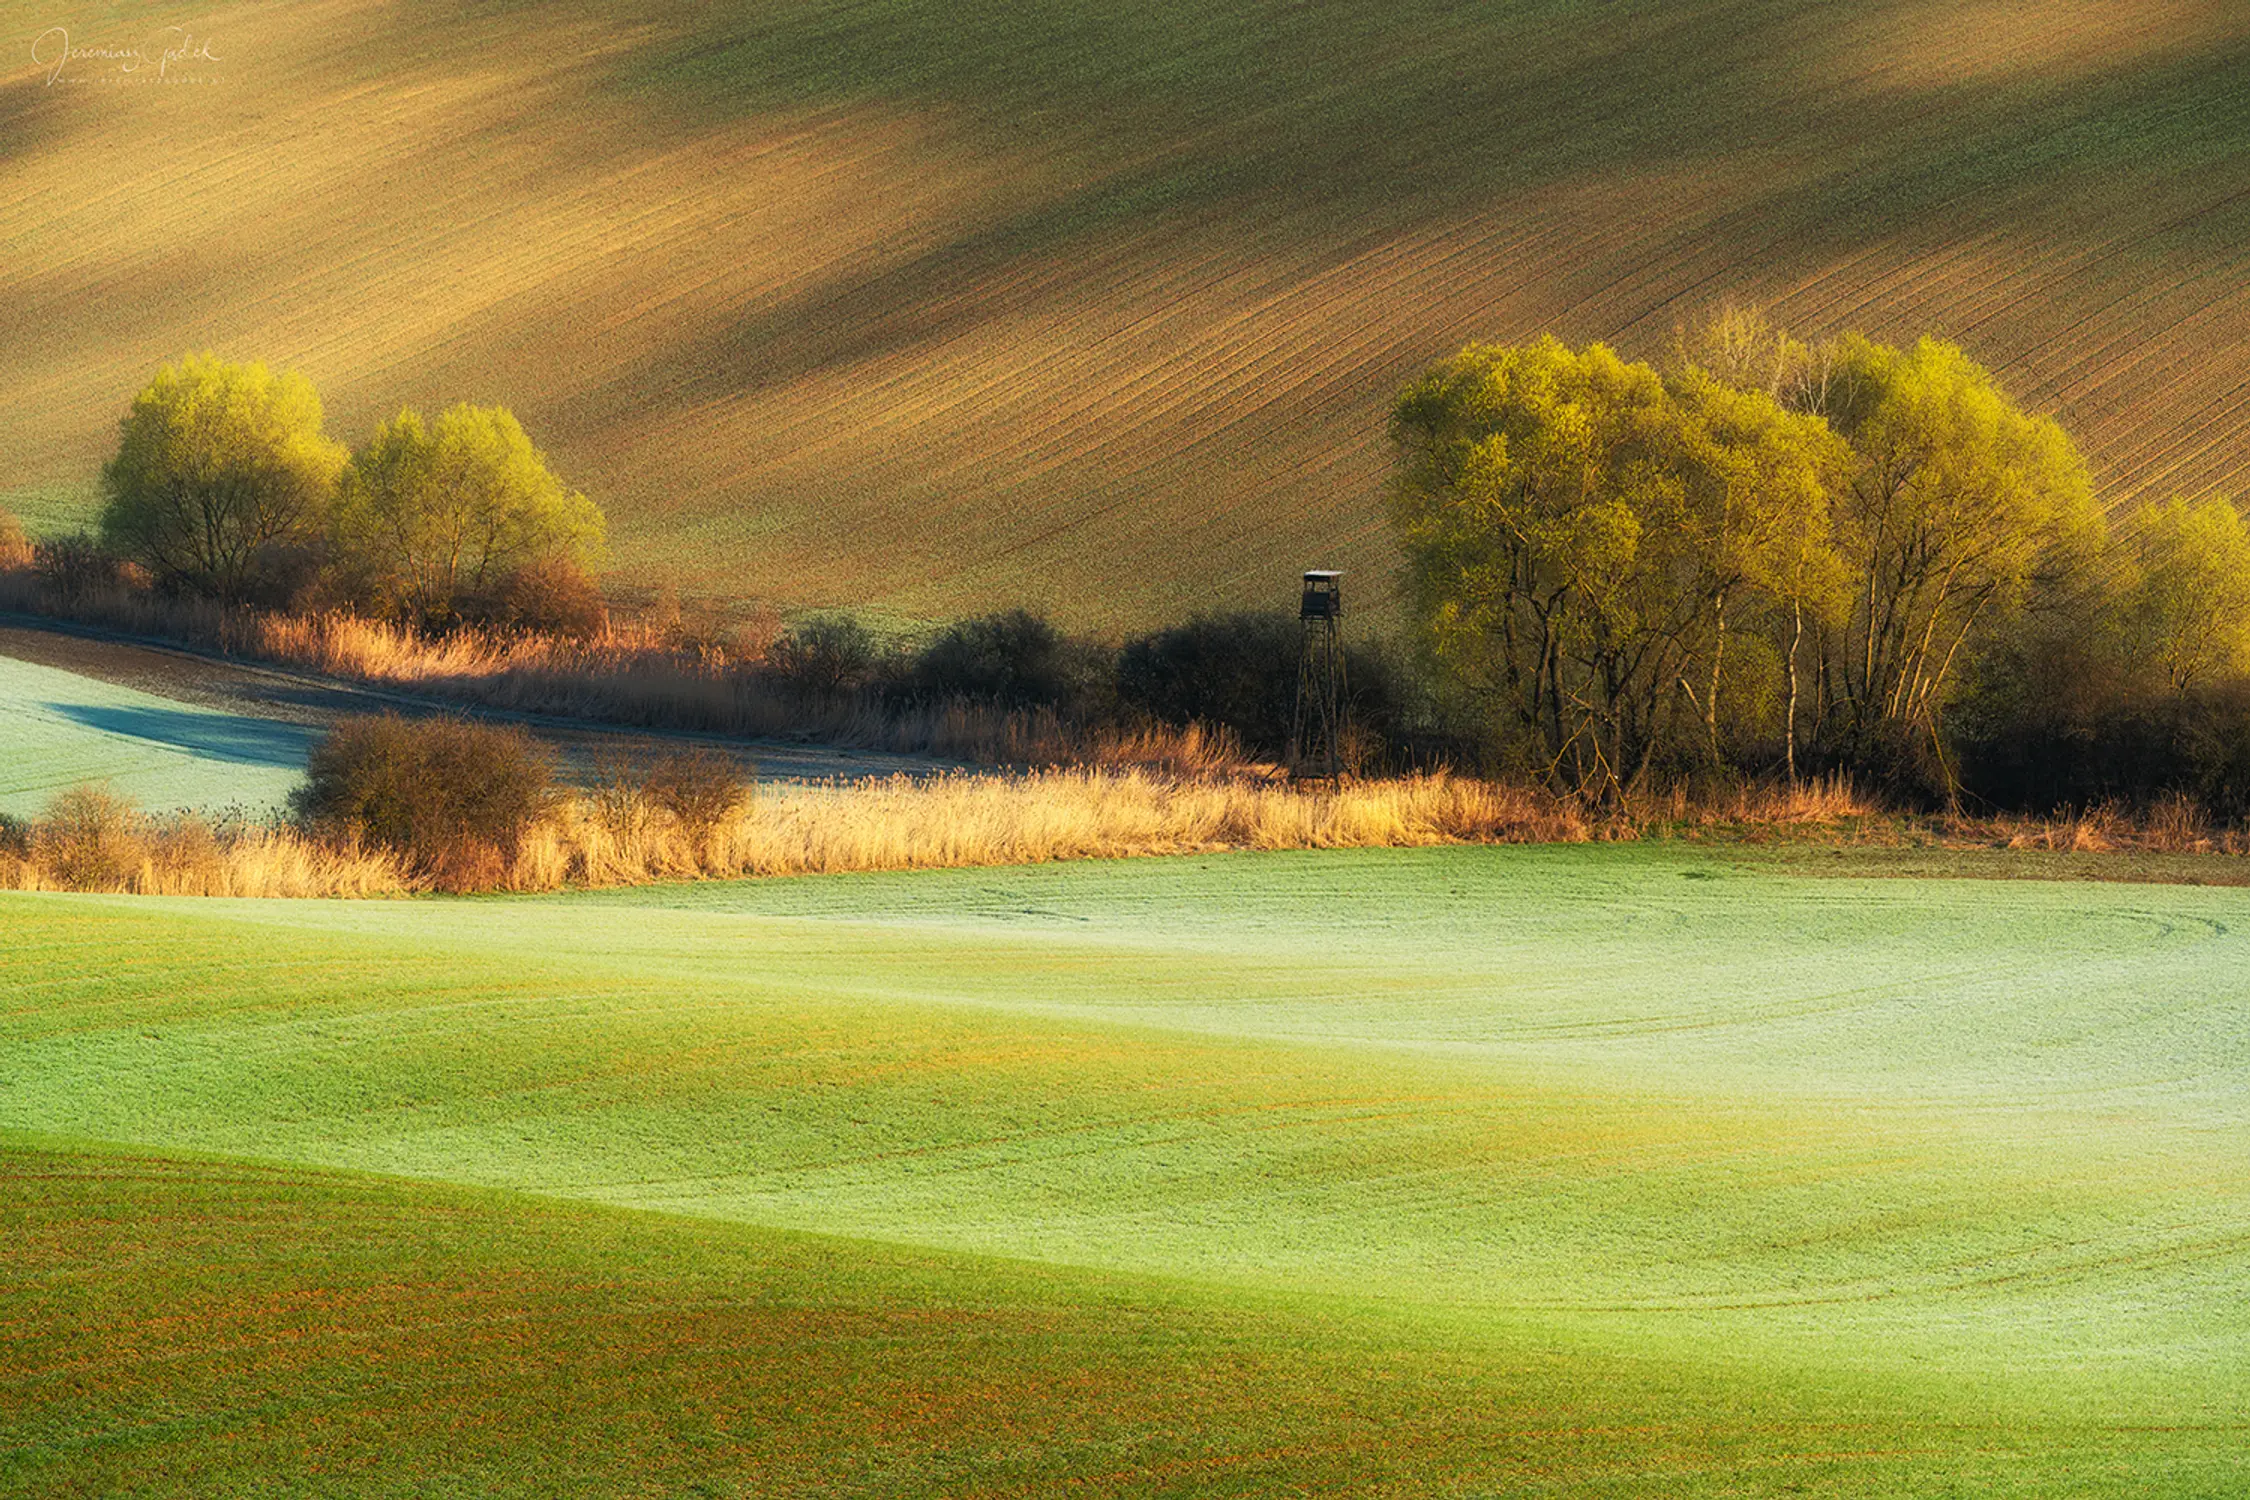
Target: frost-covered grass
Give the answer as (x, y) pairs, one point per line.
(58, 729)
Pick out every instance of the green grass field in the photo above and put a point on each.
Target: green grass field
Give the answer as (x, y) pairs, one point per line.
(927, 305)
(1589, 1171)
(58, 729)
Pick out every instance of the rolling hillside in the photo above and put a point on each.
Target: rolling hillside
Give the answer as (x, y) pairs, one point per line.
(930, 305)
(1596, 1171)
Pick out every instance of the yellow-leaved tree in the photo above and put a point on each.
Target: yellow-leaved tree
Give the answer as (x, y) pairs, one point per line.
(432, 513)
(1959, 503)
(220, 466)
(1586, 541)
(2187, 606)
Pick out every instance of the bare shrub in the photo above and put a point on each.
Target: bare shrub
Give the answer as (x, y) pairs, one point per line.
(642, 820)
(454, 799)
(89, 839)
(617, 798)
(550, 596)
(699, 789)
(833, 654)
(1013, 660)
(15, 547)
(76, 566)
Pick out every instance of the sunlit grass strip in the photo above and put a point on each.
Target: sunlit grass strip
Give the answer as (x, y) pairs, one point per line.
(90, 841)
(907, 823)
(87, 841)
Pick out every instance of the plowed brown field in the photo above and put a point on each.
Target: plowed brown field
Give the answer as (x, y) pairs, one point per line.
(933, 304)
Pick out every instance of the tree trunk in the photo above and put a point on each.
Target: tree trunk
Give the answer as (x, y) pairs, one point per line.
(1796, 636)
(1718, 658)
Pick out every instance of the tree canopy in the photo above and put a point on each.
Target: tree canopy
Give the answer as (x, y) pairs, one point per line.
(1579, 532)
(2186, 605)
(1633, 568)
(217, 464)
(1957, 502)
(432, 511)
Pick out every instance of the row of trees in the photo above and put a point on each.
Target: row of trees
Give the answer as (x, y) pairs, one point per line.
(225, 483)
(1755, 555)
(1769, 554)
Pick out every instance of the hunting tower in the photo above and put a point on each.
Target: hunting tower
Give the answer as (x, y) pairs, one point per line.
(1316, 734)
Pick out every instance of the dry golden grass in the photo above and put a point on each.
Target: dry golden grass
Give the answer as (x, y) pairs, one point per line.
(2174, 825)
(617, 834)
(863, 305)
(1810, 803)
(907, 823)
(1830, 810)
(87, 840)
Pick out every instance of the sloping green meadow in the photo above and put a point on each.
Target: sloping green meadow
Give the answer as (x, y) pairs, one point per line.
(1601, 1171)
(58, 729)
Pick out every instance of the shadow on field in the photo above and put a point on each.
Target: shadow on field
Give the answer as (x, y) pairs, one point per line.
(249, 742)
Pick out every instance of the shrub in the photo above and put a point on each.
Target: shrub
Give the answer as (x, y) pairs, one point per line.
(1235, 670)
(1239, 672)
(548, 596)
(452, 798)
(286, 574)
(1013, 660)
(77, 565)
(15, 547)
(835, 654)
(700, 788)
(89, 839)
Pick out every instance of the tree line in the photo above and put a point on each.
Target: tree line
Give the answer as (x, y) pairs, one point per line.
(1766, 555)
(225, 483)
(1753, 556)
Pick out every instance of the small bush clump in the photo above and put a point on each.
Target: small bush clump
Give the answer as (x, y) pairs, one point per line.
(834, 654)
(75, 566)
(700, 789)
(1239, 672)
(453, 799)
(15, 547)
(1236, 670)
(89, 839)
(1014, 660)
(550, 596)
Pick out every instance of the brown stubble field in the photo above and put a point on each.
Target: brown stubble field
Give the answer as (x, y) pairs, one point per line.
(925, 308)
